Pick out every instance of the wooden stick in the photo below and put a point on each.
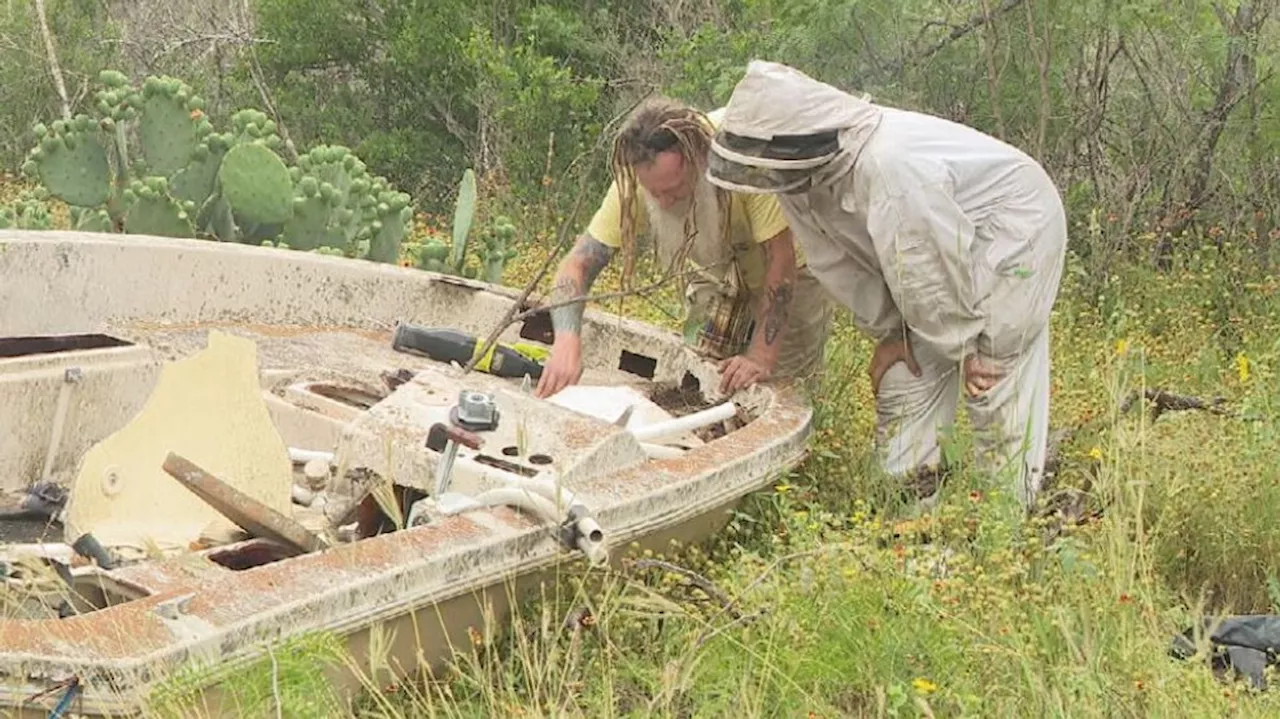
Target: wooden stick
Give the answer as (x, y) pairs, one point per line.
(254, 516)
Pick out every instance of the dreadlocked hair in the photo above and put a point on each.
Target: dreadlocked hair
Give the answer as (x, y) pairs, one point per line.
(655, 126)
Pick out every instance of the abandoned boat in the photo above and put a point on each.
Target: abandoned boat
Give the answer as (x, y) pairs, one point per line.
(220, 446)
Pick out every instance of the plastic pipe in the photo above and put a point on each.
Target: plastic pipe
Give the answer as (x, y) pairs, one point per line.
(678, 426)
(661, 451)
(69, 377)
(302, 456)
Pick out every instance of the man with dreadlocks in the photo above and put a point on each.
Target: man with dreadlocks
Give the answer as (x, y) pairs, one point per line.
(946, 244)
(748, 294)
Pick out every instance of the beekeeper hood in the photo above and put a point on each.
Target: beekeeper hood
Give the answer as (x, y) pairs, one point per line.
(783, 131)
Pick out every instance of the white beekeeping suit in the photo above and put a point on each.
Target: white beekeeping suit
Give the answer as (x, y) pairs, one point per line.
(925, 229)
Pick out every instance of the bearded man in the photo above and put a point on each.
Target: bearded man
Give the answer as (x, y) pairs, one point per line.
(752, 300)
(946, 244)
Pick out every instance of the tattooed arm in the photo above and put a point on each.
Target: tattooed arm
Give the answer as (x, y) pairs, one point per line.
(576, 274)
(773, 314)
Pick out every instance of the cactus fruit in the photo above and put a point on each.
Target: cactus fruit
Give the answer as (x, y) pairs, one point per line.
(70, 160)
(256, 183)
(498, 249)
(151, 211)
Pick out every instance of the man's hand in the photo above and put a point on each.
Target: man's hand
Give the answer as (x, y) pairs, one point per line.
(980, 374)
(772, 316)
(743, 371)
(564, 366)
(888, 353)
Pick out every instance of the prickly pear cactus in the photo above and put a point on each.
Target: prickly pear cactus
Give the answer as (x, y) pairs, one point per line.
(91, 219)
(28, 212)
(498, 249)
(338, 205)
(70, 160)
(197, 181)
(463, 212)
(153, 212)
(390, 225)
(171, 124)
(150, 161)
(434, 257)
(256, 184)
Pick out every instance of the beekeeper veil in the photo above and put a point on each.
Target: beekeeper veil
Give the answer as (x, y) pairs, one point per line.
(784, 132)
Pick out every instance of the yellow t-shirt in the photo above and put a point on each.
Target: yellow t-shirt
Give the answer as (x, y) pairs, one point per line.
(754, 219)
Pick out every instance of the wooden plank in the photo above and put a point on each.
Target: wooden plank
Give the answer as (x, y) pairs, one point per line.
(255, 517)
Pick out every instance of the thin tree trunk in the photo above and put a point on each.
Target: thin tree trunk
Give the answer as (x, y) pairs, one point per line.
(54, 69)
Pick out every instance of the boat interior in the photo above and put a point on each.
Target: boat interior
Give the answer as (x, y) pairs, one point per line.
(219, 408)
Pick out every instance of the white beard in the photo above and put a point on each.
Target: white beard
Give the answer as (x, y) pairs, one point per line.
(668, 230)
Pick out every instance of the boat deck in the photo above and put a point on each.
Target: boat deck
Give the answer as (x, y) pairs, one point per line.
(106, 339)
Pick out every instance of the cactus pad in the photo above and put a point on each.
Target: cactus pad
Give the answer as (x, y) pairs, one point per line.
(71, 161)
(254, 127)
(26, 213)
(197, 181)
(171, 124)
(153, 212)
(256, 184)
(463, 212)
(498, 249)
(309, 228)
(390, 226)
(89, 219)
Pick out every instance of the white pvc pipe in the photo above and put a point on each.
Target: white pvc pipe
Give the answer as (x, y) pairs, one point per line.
(522, 498)
(661, 451)
(42, 550)
(55, 436)
(675, 427)
(302, 456)
(590, 535)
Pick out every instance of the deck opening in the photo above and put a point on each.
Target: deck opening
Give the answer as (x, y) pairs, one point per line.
(53, 344)
(540, 459)
(91, 592)
(538, 328)
(506, 466)
(511, 451)
(372, 519)
(689, 383)
(254, 553)
(637, 364)
(349, 396)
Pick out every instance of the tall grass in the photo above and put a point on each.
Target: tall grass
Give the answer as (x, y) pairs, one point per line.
(819, 601)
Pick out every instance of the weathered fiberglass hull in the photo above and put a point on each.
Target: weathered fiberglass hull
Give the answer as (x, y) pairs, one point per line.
(98, 319)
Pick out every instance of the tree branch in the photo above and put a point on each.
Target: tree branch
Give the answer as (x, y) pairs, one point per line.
(52, 56)
(561, 242)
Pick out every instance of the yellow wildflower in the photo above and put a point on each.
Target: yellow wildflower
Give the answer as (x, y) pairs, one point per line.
(1242, 367)
(924, 686)
(782, 488)
(1096, 454)
(1122, 346)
